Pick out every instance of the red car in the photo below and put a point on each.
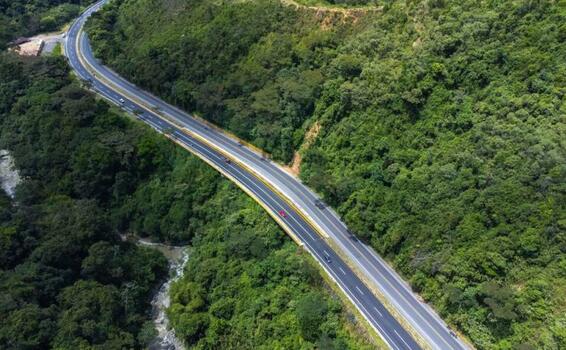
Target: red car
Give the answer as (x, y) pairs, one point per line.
(283, 213)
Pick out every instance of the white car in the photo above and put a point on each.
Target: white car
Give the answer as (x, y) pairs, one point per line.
(122, 100)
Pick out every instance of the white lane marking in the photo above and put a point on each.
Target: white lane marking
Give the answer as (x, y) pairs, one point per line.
(210, 154)
(206, 152)
(342, 270)
(359, 290)
(403, 340)
(271, 196)
(263, 191)
(377, 310)
(353, 297)
(387, 275)
(357, 301)
(313, 251)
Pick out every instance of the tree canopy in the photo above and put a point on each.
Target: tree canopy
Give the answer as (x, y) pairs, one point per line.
(68, 280)
(27, 17)
(440, 141)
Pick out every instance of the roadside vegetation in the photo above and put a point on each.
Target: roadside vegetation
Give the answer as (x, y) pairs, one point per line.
(57, 50)
(248, 286)
(67, 279)
(28, 17)
(440, 141)
(322, 4)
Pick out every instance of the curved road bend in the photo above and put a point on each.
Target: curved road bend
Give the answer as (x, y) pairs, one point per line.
(268, 183)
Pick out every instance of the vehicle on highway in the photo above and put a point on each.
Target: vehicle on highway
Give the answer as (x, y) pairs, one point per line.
(371, 267)
(352, 236)
(227, 160)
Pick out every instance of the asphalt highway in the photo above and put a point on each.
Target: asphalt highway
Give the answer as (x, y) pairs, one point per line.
(355, 267)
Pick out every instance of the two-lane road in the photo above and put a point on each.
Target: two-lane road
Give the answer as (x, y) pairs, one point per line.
(355, 267)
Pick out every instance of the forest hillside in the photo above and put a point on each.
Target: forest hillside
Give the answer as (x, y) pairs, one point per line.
(435, 128)
(90, 175)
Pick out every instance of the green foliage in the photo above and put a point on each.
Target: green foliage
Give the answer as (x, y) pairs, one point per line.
(324, 5)
(248, 286)
(311, 312)
(444, 154)
(441, 132)
(91, 310)
(243, 65)
(27, 17)
(55, 17)
(66, 279)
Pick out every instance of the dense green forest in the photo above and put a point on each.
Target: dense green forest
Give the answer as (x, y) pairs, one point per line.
(68, 281)
(327, 4)
(247, 285)
(440, 132)
(27, 17)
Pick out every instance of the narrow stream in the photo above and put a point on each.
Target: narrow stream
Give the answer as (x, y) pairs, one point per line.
(178, 257)
(9, 176)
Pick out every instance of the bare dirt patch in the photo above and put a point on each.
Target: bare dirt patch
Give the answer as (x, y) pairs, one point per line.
(329, 16)
(295, 166)
(36, 45)
(30, 48)
(311, 134)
